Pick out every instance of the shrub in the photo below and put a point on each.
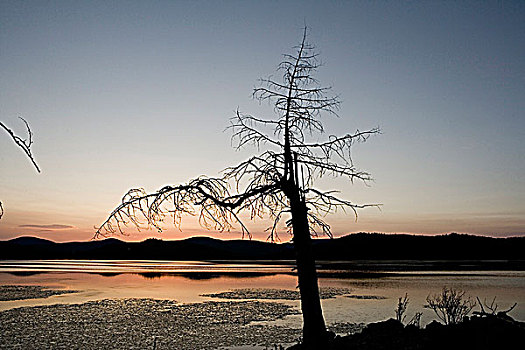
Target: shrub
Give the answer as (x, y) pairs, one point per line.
(401, 308)
(451, 305)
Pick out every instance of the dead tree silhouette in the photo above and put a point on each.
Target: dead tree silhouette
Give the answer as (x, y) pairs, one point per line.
(24, 144)
(276, 183)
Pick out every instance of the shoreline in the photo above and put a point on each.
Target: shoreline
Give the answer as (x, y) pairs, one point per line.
(241, 319)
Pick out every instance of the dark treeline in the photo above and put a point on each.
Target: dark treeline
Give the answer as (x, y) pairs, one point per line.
(361, 246)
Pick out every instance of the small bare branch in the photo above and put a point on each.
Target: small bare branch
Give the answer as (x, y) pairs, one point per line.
(416, 320)
(24, 144)
(401, 308)
(492, 308)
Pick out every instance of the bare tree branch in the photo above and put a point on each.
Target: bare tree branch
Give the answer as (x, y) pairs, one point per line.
(493, 308)
(24, 144)
(207, 198)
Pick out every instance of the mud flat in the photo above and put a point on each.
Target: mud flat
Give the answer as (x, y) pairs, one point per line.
(366, 297)
(275, 294)
(138, 323)
(15, 292)
(149, 323)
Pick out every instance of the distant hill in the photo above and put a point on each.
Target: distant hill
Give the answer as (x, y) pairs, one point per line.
(360, 246)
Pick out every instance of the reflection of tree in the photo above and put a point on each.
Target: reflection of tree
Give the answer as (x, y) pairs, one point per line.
(24, 144)
(278, 183)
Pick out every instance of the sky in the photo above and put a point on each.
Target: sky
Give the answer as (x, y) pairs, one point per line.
(126, 94)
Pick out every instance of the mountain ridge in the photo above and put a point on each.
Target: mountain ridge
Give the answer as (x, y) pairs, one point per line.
(358, 246)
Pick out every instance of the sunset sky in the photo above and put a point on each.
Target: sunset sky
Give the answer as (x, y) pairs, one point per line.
(124, 94)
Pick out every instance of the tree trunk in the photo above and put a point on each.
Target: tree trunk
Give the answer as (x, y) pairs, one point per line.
(314, 329)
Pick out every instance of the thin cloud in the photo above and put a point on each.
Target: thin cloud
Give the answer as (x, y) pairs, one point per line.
(50, 227)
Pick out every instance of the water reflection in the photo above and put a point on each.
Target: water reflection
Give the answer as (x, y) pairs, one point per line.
(24, 273)
(143, 266)
(186, 282)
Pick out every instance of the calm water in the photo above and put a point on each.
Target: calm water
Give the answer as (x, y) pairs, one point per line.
(186, 281)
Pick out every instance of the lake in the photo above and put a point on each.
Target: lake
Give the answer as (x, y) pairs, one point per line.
(372, 287)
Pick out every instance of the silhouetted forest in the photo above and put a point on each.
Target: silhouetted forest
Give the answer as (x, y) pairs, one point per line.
(360, 246)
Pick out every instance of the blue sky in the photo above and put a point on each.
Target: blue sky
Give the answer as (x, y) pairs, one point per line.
(138, 93)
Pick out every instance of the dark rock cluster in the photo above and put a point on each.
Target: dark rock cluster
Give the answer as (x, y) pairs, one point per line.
(478, 332)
